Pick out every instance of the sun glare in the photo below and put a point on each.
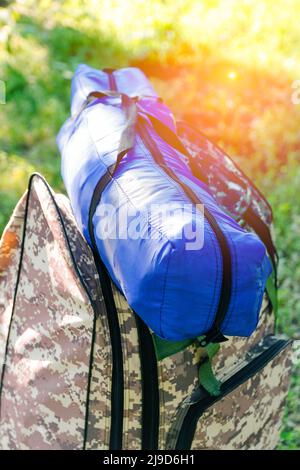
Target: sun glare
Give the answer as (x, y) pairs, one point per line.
(231, 75)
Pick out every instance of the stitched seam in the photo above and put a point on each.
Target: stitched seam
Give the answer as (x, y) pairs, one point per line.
(233, 293)
(216, 258)
(164, 291)
(259, 297)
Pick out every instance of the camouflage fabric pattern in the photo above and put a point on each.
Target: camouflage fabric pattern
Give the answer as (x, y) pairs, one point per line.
(132, 418)
(226, 182)
(81, 252)
(9, 261)
(236, 348)
(177, 377)
(249, 417)
(99, 422)
(178, 374)
(99, 410)
(46, 374)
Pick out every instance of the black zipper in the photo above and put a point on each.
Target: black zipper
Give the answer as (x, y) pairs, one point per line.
(214, 334)
(192, 412)
(117, 388)
(150, 393)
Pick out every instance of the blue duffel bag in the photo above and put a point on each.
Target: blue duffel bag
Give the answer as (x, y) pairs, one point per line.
(183, 264)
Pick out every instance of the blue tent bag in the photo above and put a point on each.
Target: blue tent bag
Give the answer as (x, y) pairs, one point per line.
(184, 265)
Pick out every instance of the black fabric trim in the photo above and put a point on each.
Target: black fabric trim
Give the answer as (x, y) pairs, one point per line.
(150, 394)
(117, 391)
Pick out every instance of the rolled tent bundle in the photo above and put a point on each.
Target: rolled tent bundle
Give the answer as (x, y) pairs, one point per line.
(183, 264)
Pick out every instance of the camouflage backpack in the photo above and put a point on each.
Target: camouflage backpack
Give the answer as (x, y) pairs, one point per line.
(79, 369)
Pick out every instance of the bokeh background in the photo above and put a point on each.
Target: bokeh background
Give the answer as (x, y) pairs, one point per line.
(227, 66)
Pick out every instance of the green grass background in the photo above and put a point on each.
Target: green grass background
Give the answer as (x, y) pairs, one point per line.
(227, 66)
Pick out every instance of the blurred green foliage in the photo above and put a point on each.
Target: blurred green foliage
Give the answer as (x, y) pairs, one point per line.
(227, 66)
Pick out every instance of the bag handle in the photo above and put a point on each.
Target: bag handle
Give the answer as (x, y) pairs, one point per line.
(128, 104)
